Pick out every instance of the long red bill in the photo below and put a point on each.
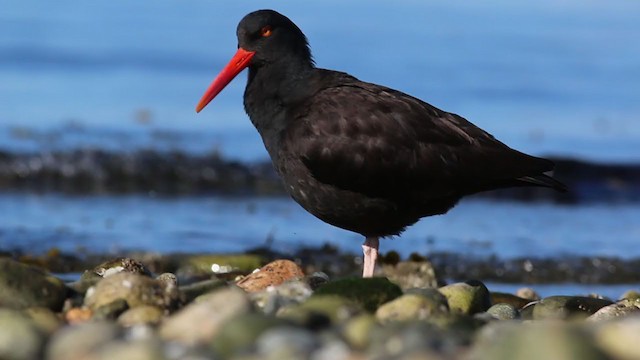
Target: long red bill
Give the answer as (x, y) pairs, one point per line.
(238, 62)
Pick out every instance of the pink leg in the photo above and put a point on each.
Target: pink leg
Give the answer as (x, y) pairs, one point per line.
(370, 250)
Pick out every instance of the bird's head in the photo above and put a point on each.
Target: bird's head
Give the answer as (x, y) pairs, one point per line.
(265, 37)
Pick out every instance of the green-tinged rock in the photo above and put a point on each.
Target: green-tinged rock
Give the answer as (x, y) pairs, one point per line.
(111, 267)
(503, 311)
(412, 307)
(79, 342)
(239, 333)
(533, 341)
(321, 310)
(200, 321)
(111, 310)
(620, 338)
(369, 293)
(631, 295)
(20, 339)
(219, 264)
(23, 286)
(468, 297)
(567, 307)
(618, 310)
(290, 293)
(411, 274)
(506, 298)
(135, 289)
(44, 319)
(141, 315)
(358, 329)
(192, 291)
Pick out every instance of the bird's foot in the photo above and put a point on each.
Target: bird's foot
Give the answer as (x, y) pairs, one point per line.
(370, 251)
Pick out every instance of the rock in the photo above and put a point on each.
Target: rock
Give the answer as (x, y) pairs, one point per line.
(168, 279)
(44, 319)
(79, 342)
(411, 307)
(565, 307)
(631, 295)
(111, 310)
(369, 293)
(620, 309)
(207, 265)
(239, 333)
(528, 294)
(200, 321)
(272, 274)
(321, 310)
(273, 298)
(467, 298)
(78, 315)
(317, 279)
(141, 315)
(503, 311)
(412, 340)
(286, 342)
(411, 274)
(357, 330)
(546, 340)
(20, 338)
(513, 300)
(23, 286)
(620, 338)
(133, 350)
(189, 292)
(135, 289)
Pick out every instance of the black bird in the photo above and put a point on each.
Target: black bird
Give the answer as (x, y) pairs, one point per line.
(360, 156)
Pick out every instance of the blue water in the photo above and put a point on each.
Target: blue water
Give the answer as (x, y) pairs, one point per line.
(546, 77)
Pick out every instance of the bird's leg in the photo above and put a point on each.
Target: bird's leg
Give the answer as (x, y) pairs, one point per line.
(370, 250)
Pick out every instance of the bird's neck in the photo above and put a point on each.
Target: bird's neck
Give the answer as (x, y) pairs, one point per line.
(271, 90)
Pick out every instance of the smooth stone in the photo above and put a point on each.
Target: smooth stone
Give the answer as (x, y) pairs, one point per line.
(506, 298)
(240, 333)
(78, 315)
(200, 321)
(111, 310)
(411, 307)
(321, 310)
(468, 297)
(20, 338)
(357, 330)
(286, 342)
(614, 311)
(23, 286)
(620, 338)
(208, 264)
(131, 350)
(411, 274)
(565, 307)
(532, 341)
(527, 293)
(631, 295)
(168, 279)
(317, 279)
(78, 342)
(44, 319)
(135, 289)
(141, 315)
(272, 274)
(369, 293)
(273, 298)
(189, 292)
(335, 350)
(409, 340)
(114, 266)
(503, 311)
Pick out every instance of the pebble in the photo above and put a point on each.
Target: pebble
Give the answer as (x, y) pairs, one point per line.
(272, 274)
(467, 298)
(79, 342)
(620, 309)
(503, 311)
(134, 289)
(141, 315)
(20, 338)
(620, 337)
(23, 286)
(411, 307)
(565, 307)
(411, 274)
(369, 293)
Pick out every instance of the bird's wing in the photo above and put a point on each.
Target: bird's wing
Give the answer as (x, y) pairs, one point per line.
(377, 141)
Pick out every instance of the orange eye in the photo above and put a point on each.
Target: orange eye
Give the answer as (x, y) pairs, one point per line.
(266, 31)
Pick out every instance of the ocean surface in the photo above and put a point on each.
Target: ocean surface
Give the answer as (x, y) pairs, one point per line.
(547, 77)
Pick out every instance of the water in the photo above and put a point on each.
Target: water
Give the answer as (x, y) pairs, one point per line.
(546, 77)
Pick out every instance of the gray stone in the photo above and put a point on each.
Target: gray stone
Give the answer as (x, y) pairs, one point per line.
(411, 307)
(321, 309)
(79, 342)
(285, 342)
(565, 307)
(620, 338)
(200, 321)
(135, 289)
(620, 309)
(19, 337)
(44, 319)
(141, 315)
(23, 286)
(239, 334)
(503, 312)
(131, 350)
(467, 298)
(411, 274)
(289, 293)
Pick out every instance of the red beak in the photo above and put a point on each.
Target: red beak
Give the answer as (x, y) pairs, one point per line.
(238, 62)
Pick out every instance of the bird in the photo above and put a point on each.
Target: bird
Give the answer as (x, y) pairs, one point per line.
(360, 156)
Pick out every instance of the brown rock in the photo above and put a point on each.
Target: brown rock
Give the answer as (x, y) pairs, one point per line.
(78, 315)
(274, 273)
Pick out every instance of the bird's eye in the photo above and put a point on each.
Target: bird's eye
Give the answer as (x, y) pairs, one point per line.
(266, 31)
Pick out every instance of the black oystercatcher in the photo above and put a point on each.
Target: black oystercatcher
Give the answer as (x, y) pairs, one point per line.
(360, 156)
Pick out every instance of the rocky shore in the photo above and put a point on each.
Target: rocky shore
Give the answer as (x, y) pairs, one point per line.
(88, 171)
(249, 306)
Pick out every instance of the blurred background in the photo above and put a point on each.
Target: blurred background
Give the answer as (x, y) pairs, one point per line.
(101, 149)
